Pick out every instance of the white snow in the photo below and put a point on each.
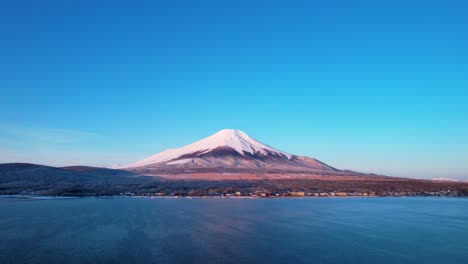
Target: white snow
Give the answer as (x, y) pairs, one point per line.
(232, 138)
(445, 179)
(182, 161)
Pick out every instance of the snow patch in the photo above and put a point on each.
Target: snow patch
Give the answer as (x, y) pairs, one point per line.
(182, 161)
(446, 179)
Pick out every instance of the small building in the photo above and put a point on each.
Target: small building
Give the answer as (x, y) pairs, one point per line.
(341, 194)
(297, 193)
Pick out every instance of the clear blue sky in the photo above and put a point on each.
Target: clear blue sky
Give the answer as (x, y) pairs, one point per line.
(373, 86)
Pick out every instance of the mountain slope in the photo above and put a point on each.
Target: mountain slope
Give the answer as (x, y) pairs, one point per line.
(26, 178)
(26, 172)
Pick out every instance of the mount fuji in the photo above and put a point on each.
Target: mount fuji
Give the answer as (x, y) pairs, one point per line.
(228, 152)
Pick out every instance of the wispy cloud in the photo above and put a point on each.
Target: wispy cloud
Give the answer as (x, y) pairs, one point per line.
(57, 147)
(55, 157)
(42, 135)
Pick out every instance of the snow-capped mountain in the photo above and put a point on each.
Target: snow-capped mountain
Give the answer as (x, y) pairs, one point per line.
(232, 139)
(228, 150)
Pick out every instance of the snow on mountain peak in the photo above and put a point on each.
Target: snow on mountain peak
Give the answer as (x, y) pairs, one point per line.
(239, 141)
(231, 138)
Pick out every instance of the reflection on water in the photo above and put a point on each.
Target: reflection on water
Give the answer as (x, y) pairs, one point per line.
(125, 230)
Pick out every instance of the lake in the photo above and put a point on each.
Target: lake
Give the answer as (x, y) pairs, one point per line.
(320, 230)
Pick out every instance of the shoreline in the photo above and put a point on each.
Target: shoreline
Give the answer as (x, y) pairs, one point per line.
(39, 197)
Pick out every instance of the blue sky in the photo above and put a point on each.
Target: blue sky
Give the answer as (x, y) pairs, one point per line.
(374, 86)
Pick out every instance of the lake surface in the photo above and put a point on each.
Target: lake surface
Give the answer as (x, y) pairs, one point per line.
(142, 230)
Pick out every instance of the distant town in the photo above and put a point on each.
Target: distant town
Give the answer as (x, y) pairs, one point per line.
(259, 194)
